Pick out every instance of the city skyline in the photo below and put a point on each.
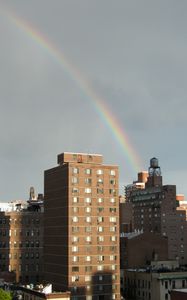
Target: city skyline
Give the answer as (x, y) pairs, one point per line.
(114, 86)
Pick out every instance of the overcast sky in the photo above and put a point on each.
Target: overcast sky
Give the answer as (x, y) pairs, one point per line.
(133, 54)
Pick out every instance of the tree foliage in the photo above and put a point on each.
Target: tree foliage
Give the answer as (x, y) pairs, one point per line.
(5, 295)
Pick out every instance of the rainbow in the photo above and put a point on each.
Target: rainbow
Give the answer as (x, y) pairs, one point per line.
(99, 104)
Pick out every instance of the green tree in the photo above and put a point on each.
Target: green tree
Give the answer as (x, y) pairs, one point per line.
(5, 295)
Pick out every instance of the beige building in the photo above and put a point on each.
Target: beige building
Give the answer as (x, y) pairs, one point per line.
(155, 283)
(81, 227)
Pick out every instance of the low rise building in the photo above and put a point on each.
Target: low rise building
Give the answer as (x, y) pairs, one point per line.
(155, 282)
(38, 293)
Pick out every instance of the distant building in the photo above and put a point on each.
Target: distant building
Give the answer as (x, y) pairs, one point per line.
(38, 293)
(21, 241)
(126, 217)
(155, 283)
(155, 209)
(138, 249)
(126, 207)
(81, 237)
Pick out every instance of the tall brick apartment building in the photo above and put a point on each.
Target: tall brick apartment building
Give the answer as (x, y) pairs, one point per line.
(81, 227)
(21, 241)
(155, 209)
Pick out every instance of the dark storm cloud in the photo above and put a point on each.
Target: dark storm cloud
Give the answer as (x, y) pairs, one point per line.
(134, 55)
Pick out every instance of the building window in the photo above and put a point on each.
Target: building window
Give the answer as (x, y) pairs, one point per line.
(100, 181)
(88, 209)
(112, 191)
(75, 219)
(99, 191)
(183, 283)
(113, 267)
(88, 268)
(112, 228)
(113, 248)
(88, 229)
(100, 258)
(112, 172)
(75, 249)
(88, 181)
(88, 239)
(75, 199)
(74, 180)
(74, 278)
(112, 209)
(88, 258)
(112, 200)
(88, 219)
(112, 219)
(100, 200)
(100, 268)
(88, 171)
(100, 238)
(113, 238)
(100, 219)
(75, 209)
(88, 278)
(75, 229)
(100, 248)
(88, 190)
(112, 181)
(114, 277)
(113, 257)
(173, 284)
(75, 239)
(99, 172)
(100, 209)
(75, 171)
(75, 190)
(100, 228)
(75, 269)
(75, 258)
(88, 200)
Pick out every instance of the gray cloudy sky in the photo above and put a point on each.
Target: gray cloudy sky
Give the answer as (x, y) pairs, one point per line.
(134, 55)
